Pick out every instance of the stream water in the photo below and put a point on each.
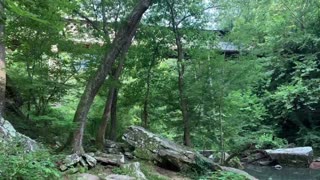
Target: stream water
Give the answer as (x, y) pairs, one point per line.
(286, 173)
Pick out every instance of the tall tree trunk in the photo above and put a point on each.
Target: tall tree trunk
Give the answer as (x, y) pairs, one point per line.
(2, 59)
(113, 124)
(100, 139)
(120, 44)
(181, 69)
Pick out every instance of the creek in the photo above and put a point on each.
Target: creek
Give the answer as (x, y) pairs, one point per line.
(286, 173)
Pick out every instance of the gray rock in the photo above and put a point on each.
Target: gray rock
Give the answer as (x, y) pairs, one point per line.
(216, 157)
(63, 167)
(113, 159)
(134, 170)
(91, 154)
(9, 135)
(86, 176)
(90, 159)
(119, 177)
(277, 167)
(83, 163)
(207, 153)
(152, 147)
(71, 160)
(7, 131)
(265, 163)
(296, 157)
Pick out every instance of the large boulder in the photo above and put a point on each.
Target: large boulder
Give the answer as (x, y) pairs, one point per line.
(9, 135)
(165, 153)
(296, 157)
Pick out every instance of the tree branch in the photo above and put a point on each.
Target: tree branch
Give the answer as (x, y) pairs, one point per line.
(93, 24)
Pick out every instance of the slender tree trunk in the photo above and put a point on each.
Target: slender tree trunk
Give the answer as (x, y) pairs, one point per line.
(120, 45)
(145, 113)
(181, 69)
(2, 59)
(183, 98)
(113, 124)
(100, 139)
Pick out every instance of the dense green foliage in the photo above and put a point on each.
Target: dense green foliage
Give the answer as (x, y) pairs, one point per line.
(265, 94)
(17, 164)
(284, 38)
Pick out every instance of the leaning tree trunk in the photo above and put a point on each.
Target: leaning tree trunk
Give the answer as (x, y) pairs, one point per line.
(100, 139)
(2, 59)
(120, 45)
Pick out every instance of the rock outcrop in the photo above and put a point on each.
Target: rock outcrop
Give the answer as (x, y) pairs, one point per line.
(169, 155)
(9, 135)
(295, 157)
(165, 153)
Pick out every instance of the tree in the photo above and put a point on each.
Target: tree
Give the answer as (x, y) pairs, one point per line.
(284, 37)
(120, 45)
(2, 59)
(182, 15)
(110, 105)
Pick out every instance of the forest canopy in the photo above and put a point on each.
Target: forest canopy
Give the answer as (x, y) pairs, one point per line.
(215, 75)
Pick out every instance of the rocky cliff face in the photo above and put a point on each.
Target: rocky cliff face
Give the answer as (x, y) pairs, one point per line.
(8, 135)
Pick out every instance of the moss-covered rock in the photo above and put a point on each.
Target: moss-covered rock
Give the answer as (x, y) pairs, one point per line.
(165, 153)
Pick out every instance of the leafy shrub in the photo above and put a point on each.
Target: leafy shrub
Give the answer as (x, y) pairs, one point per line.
(268, 141)
(15, 164)
(309, 137)
(257, 140)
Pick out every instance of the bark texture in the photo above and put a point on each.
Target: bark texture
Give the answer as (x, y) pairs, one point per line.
(120, 45)
(2, 59)
(100, 139)
(113, 123)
